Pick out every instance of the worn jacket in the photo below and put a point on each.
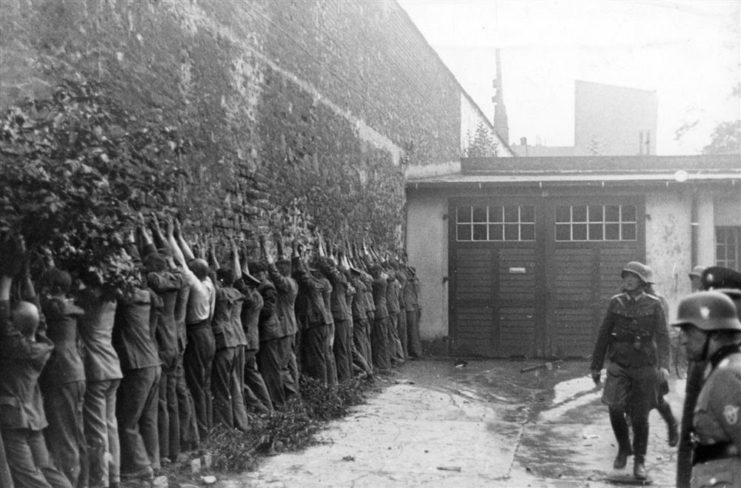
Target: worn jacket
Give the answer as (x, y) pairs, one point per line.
(287, 289)
(65, 365)
(310, 307)
(134, 329)
(96, 330)
(251, 308)
(227, 322)
(167, 286)
(21, 363)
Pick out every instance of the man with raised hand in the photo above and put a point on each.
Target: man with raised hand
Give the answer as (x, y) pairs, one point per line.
(201, 348)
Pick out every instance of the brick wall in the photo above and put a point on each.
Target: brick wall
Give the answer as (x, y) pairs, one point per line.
(297, 109)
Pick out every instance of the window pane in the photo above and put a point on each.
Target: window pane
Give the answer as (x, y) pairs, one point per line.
(563, 232)
(580, 232)
(612, 232)
(464, 214)
(612, 213)
(496, 232)
(629, 232)
(595, 232)
(479, 214)
(527, 232)
(629, 213)
(563, 214)
(464, 232)
(511, 214)
(527, 213)
(495, 214)
(479, 232)
(511, 232)
(595, 213)
(579, 213)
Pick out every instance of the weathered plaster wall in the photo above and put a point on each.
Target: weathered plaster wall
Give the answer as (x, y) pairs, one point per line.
(312, 102)
(669, 244)
(427, 246)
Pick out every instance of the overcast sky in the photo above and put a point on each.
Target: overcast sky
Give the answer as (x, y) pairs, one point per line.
(688, 51)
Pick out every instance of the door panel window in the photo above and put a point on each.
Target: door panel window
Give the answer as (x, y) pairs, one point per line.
(596, 223)
(495, 223)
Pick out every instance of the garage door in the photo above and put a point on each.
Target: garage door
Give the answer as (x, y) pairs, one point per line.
(534, 279)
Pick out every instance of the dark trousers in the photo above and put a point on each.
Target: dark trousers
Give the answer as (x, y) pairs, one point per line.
(273, 362)
(403, 335)
(329, 354)
(414, 344)
(65, 435)
(361, 344)
(290, 377)
(188, 427)
(6, 480)
(342, 348)
(256, 394)
(314, 361)
(228, 388)
(394, 342)
(168, 414)
(29, 460)
(198, 360)
(379, 344)
(101, 433)
(137, 402)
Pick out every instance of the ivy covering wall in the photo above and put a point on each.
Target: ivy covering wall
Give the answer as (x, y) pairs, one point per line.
(290, 115)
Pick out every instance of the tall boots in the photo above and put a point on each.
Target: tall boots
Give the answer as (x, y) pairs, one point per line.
(622, 435)
(640, 446)
(671, 423)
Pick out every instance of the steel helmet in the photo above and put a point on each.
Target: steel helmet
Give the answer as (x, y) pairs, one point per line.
(697, 271)
(639, 269)
(649, 274)
(708, 311)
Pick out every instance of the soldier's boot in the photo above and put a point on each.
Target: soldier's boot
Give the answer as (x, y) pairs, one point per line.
(671, 422)
(622, 434)
(640, 446)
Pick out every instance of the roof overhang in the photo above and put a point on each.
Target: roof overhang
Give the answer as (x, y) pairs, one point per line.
(628, 171)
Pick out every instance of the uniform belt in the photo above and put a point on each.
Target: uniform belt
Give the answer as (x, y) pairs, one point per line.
(710, 452)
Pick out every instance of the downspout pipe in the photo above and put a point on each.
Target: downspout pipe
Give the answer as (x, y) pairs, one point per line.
(694, 229)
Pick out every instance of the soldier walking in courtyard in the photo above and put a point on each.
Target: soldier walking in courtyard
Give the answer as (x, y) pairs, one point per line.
(635, 340)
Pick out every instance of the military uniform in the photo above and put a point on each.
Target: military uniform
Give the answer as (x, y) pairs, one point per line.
(635, 340)
(717, 423)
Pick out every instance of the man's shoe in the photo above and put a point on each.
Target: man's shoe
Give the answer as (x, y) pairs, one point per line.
(639, 471)
(621, 460)
(673, 435)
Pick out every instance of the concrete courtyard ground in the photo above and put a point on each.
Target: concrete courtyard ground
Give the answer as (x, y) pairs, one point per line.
(485, 424)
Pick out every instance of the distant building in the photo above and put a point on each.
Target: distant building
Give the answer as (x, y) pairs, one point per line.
(608, 121)
(614, 120)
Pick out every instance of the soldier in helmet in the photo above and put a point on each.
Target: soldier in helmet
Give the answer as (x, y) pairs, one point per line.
(711, 332)
(695, 277)
(634, 339)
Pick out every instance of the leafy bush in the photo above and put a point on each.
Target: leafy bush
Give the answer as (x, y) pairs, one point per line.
(75, 169)
(288, 429)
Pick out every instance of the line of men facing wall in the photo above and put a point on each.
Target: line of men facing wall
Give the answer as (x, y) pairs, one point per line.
(99, 388)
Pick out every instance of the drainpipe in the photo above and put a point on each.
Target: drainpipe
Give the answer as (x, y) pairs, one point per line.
(694, 230)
